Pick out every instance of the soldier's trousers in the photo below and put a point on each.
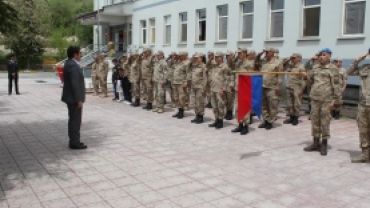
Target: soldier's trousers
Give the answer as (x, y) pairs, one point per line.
(198, 101)
(95, 84)
(338, 105)
(159, 95)
(187, 95)
(170, 87)
(209, 94)
(230, 97)
(135, 87)
(246, 119)
(103, 85)
(179, 95)
(218, 105)
(148, 88)
(363, 123)
(270, 102)
(293, 101)
(320, 119)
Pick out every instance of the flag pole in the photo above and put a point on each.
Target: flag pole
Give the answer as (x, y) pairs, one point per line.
(267, 73)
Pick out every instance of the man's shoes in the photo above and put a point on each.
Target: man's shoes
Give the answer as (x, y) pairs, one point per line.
(181, 113)
(160, 110)
(77, 146)
(114, 99)
(295, 120)
(200, 119)
(263, 125)
(245, 130)
(20, 94)
(195, 119)
(155, 110)
(149, 106)
(289, 120)
(268, 126)
(220, 124)
(229, 115)
(9, 93)
(177, 114)
(213, 125)
(238, 129)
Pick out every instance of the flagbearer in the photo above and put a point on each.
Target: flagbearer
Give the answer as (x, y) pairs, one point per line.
(271, 86)
(219, 83)
(295, 86)
(244, 64)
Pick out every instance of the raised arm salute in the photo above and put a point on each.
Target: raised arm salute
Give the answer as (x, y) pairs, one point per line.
(363, 117)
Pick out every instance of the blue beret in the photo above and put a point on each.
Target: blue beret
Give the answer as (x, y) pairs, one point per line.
(326, 50)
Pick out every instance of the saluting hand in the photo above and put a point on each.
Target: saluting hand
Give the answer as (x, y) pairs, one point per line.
(361, 58)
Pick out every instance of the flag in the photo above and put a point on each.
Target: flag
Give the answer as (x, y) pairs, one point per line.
(249, 95)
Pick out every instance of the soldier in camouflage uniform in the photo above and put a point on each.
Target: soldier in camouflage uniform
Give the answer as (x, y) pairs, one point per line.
(188, 89)
(363, 116)
(342, 84)
(220, 76)
(271, 86)
(171, 64)
(230, 92)
(147, 64)
(294, 87)
(135, 78)
(210, 65)
(95, 76)
(103, 74)
(180, 84)
(198, 86)
(324, 80)
(309, 65)
(246, 62)
(159, 78)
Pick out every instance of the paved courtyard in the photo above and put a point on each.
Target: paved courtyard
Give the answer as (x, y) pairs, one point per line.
(141, 159)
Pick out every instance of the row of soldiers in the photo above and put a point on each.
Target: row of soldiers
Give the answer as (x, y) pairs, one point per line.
(217, 80)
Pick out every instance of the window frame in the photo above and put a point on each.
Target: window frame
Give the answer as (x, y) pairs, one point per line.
(198, 20)
(142, 32)
(129, 34)
(242, 14)
(344, 19)
(165, 29)
(151, 27)
(181, 22)
(270, 22)
(218, 23)
(303, 18)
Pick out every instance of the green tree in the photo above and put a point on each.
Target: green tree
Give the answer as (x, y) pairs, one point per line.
(58, 42)
(8, 17)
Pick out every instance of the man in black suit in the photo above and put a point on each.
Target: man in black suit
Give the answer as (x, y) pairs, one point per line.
(74, 95)
(12, 74)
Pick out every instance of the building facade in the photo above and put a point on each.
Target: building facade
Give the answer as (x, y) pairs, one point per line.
(303, 26)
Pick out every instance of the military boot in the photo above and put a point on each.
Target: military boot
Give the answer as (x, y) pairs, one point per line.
(324, 147)
(177, 114)
(209, 105)
(155, 110)
(289, 120)
(295, 120)
(160, 110)
(245, 130)
(146, 106)
(200, 119)
(263, 125)
(268, 126)
(251, 118)
(337, 115)
(229, 115)
(309, 109)
(137, 103)
(220, 124)
(181, 114)
(238, 129)
(213, 124)
(313, 147)
(149, 106)
(195, 119)
(363, 158)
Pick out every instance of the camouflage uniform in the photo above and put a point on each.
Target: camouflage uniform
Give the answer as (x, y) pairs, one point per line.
(271, 84)
(363, 115)
(147, 79)
(309, 66)
(159, 78)
(342, 82)
(180, 82)
(210, 65)
(294, 87)
(230, 92)
(135, 78)
(324, 92)
(170, 69)
(220, 76)
(95, 77)
(103, 68)
(187, 90)
(198, 85)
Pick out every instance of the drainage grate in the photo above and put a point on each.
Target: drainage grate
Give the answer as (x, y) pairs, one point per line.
(40, 81)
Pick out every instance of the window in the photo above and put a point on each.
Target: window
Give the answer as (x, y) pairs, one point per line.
(311, 18)
(167, 30)
(143, 32)
(129, 34)
(201, 25)
(222, 22)
(247, 19)
(152, 31)
(277, 18)
(183, 27)
(354, 17)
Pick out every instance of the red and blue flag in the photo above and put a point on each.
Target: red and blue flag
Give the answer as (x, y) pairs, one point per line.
(249, 95)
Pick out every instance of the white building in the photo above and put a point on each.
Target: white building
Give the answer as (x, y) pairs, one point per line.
(303, 26)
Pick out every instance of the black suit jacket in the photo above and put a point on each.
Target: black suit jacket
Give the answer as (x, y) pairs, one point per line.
(12, 67)
(74, 83)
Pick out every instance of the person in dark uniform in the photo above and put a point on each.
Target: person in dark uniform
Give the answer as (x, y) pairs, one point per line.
(13, 74)
(117, 67)
(74, 95)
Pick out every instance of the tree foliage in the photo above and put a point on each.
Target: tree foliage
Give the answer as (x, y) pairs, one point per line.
(8, 17)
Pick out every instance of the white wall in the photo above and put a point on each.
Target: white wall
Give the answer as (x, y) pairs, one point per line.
(330, 27)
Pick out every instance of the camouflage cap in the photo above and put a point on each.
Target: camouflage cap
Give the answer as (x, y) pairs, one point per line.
(125, 54)
(183, 53)
(338, 59)
(276, 50)
(147, 50)
(135, 54)
(228, 53)
(243, 49)
(173, 54)
(295, 55)
(211, 53)
(251, 52)
(159, 53)
(219, 53)
(197, 55)
(270, 50)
